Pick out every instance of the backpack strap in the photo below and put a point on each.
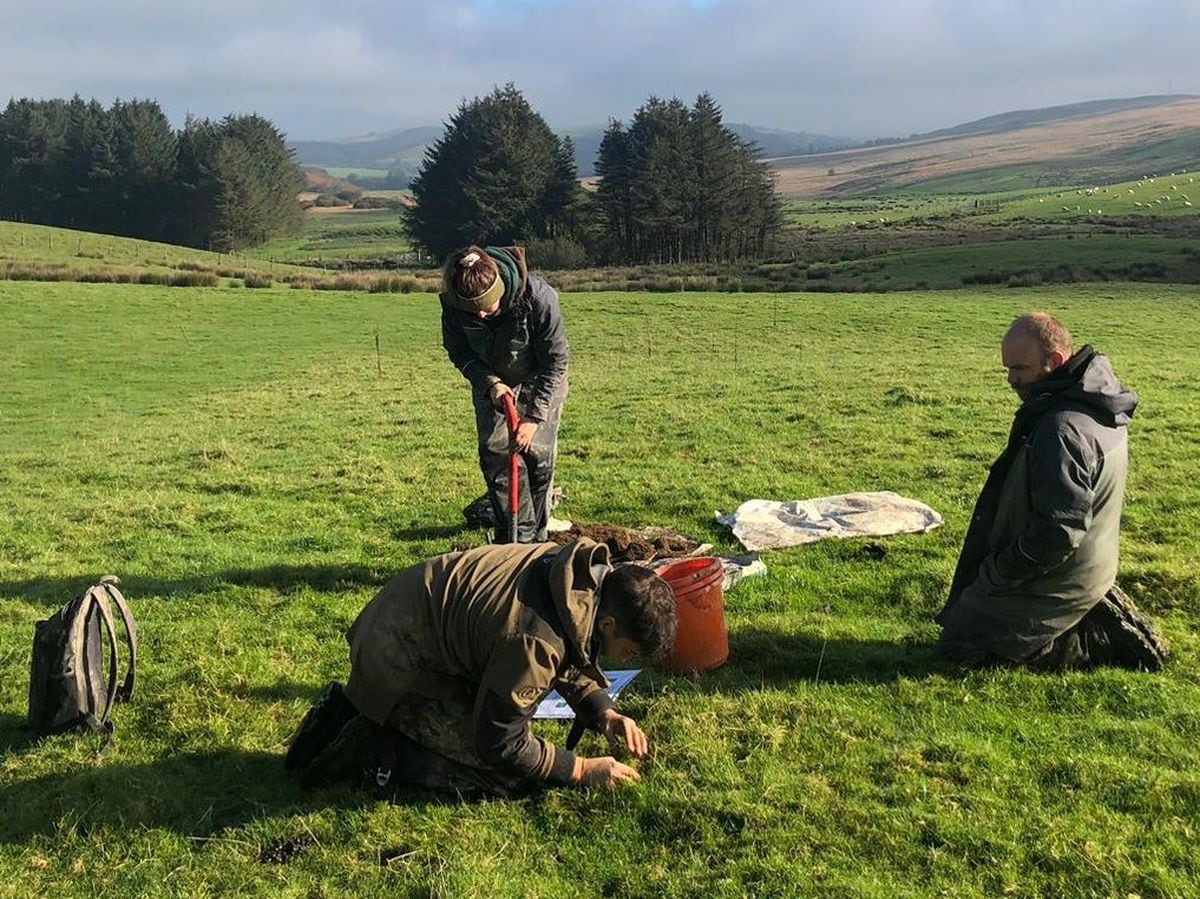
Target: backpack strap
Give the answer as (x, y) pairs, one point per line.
(98, 599)
(109, 583)
(75, 614)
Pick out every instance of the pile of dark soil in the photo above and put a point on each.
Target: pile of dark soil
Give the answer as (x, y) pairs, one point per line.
(628, 545)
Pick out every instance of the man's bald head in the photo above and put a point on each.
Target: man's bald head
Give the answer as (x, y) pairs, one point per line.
(1049, 333)
(1034, 346)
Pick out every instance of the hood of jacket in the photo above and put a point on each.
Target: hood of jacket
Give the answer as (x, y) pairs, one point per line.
(574, 590)
(514, 273)
(518, 255)
(1086, 381)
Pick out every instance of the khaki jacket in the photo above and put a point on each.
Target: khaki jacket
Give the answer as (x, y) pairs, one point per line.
(512, 622)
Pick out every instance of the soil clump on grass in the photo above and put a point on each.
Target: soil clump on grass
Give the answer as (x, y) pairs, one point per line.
(629, 545)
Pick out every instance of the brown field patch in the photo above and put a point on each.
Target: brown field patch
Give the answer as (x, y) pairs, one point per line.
(873, 169)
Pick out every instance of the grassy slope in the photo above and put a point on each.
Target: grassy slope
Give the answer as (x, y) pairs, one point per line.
(359, 235)
(34, 245)
(1159, 157)
(1087, 257)
(1164, 195)
(242, 463)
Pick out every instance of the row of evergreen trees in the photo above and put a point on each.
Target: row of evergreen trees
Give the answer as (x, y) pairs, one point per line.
(123, 170)
(675, 186)
(678, 186)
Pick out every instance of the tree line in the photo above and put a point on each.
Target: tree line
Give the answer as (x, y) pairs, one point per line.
(676, 185)
(220, 185)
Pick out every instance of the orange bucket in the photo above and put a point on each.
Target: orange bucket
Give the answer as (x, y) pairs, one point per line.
(701, 640)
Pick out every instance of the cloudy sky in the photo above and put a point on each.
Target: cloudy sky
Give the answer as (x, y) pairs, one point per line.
(842, 67)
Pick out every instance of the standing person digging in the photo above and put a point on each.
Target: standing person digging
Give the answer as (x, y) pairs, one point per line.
(1036, 581)
(450, 659)
(502, 328)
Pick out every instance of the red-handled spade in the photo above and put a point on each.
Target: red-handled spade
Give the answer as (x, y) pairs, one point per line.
(514, 466)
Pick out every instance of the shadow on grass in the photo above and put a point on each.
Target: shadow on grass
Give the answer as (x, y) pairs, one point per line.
(194, 794)
(435, 532)
(13, 733)
(284, 578)
(280, 691)
(197, 795)
(768, 658)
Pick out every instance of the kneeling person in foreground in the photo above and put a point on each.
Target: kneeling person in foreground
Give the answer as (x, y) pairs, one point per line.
(450, 659)
(1036, 579)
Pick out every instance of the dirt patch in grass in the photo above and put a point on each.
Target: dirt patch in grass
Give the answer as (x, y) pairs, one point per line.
(629, 545)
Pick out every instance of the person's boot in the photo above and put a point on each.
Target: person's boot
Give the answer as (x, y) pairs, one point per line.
(362, 754)
(338, 761)
(319, 727)
(1129, 640)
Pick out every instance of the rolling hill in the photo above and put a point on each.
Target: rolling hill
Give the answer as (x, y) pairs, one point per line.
(1095, 142)
(393, 150)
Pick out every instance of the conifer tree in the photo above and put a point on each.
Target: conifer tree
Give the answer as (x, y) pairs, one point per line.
(614, 194)
(145, 149)
(496, 175)
(31, 141)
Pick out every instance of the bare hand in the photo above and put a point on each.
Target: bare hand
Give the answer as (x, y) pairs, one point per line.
(604, 772)
(524, 438)
(497, 392)
(623, 731)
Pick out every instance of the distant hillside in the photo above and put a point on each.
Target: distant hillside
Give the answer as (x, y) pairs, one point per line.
(1088, 143)
(393, 150)
(403, 150)
(1027, 118)
(1094, 141)
(791, 143)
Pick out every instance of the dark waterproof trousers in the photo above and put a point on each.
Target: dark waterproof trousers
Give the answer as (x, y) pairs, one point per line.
(1114, 632)
(536, 470)
(434, 742)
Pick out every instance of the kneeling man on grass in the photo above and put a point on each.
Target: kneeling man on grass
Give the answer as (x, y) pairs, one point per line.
(1036, 580)
(450, 659)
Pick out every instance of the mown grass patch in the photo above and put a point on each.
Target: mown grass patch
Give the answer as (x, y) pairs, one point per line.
(362, 237)
(254, 470)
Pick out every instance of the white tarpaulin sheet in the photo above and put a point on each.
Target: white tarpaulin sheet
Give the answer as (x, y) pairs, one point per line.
(768, 524)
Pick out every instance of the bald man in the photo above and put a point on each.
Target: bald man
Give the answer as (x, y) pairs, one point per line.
(1036, 580)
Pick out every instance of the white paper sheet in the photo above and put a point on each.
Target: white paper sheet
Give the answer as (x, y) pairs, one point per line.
(554, 706)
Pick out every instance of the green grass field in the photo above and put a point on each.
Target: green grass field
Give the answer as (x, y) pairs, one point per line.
(253, 470)
(1170, 195)
(355, 171)
(359, 236)
(1065, 257)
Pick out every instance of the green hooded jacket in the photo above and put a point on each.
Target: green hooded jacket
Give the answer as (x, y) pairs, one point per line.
(1042, 546)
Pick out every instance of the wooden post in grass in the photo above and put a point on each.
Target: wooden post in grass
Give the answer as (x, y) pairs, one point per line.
(378, 358)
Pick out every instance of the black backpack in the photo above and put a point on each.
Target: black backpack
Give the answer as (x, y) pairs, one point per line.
(67, 686)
